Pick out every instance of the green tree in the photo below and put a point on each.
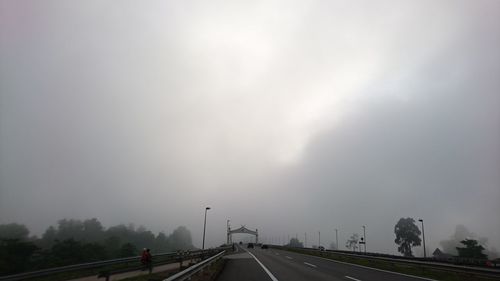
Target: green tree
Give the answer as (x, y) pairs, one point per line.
(75, 241)
(70, 251)
(294, 242)
(124, 233)
(407, 236)
(352, 242)
(93, 252)
(127, 250)
(70, 229)
(14, 231)
(48, 238)
(472, 249)
(66, 252)
(93, 230)
(112, 245)
(15, 255)
(181, 239)
(162, 243)
(144, 239)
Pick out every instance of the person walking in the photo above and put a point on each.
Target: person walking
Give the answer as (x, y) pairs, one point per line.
(147, 260)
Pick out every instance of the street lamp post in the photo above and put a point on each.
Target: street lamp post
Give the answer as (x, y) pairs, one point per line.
(423, 235)
(364, 236)
(319, 239)
(305, 239)
(204, 228)
(228, 229)
(337, 238)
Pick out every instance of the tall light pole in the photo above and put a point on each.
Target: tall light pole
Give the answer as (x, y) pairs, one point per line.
(337, 238)
(228, 229)
(364, 236)
(423, 235)
(204, 227)
(305, 239)
(319, 238)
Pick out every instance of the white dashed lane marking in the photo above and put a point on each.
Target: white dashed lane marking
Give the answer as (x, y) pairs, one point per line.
(310, 264)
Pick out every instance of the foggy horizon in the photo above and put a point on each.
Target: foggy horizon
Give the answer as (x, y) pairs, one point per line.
(284, 116)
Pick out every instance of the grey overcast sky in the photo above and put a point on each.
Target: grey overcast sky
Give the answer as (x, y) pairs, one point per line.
(286, 116)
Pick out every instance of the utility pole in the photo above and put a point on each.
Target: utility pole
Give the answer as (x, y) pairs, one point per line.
(305, 239)
(364, 236)
(337, 238)
(228, 230)
(204, 228)
(423, 235)
(319, 238)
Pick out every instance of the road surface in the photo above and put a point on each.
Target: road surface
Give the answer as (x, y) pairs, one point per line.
(272, 264)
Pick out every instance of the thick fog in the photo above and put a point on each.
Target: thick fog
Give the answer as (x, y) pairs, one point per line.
(285, 116)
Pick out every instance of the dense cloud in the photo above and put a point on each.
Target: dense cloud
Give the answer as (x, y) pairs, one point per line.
(289, 117)
(405, 158)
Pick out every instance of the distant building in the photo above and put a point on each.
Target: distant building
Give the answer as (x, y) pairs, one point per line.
(438, 254)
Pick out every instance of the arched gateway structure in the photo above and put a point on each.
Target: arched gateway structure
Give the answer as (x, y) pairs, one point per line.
(243, 230)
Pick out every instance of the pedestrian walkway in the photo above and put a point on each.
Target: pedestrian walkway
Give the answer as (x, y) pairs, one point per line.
(121, 276)
(242, 266)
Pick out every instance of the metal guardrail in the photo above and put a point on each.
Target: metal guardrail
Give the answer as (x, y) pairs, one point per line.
(450, 260)
(172, 256)
(436, 265)
(190, 271)
(422, 262)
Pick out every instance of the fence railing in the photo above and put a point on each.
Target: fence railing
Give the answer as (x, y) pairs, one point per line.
(166, 258)
(448, 260)
(195, 269)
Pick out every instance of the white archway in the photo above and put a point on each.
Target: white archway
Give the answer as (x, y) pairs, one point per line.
(242, 230)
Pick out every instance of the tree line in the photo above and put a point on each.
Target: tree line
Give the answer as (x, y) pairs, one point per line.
(74, 241)
(408, 236)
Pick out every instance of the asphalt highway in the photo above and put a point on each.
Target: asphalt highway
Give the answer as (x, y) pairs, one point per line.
(271, 264)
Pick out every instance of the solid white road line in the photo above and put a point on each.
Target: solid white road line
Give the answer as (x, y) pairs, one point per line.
(310, 264)
(352, 278)
(290, 258)
(263, 267)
